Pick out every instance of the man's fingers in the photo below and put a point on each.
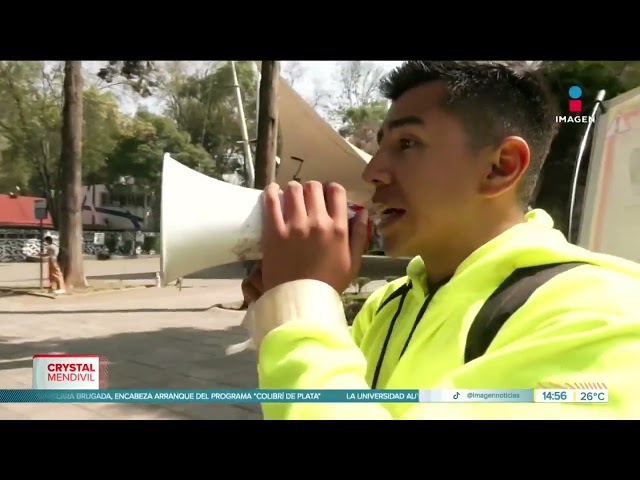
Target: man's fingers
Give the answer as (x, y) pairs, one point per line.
(252, 286)
(358, 238)
(295, 212)
(336, 200)
(273, 215)
(250, 291)
(256, 277)
(314, 200)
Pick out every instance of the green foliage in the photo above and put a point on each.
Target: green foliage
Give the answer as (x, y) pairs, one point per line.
(139, 75)
(360, 125)
(205, 106)
(101, 127)
(360, 110)
(30, 123)
(151, 243)
(200, 127)
(111, 242)
(141, 145)
(353, 119)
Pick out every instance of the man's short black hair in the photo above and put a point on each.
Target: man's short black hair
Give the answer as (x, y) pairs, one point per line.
(48, 239)
(494, 100)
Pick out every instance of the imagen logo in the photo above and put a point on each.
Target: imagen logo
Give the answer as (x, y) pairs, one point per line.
(575, 99)
(575, 108)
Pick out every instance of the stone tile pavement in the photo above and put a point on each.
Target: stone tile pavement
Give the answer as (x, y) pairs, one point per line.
(153, 338)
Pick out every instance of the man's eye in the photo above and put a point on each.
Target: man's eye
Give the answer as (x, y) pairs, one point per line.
(404, 144)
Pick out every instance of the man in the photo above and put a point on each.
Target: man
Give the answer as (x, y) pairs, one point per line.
(56, 279)
(459, 155)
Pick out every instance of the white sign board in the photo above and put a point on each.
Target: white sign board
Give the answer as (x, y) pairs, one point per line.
(98, 238)
(611, 212)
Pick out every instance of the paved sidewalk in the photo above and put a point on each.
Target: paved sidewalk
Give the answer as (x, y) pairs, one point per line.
(153, 338)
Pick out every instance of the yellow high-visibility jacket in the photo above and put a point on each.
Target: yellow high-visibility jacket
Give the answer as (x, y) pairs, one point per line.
(581, 327)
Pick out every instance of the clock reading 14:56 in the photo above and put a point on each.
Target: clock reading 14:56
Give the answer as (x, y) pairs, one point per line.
(555, 396)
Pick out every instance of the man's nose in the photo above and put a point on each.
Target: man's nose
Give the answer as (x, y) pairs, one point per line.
(378, 171)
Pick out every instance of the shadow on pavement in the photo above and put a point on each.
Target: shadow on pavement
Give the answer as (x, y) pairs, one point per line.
(171, 358)
(231, 271)
(123, 276)
(373, 267)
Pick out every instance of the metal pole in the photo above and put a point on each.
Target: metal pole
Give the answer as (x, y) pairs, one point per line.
(41, 252)
(258, 77)
(248, 159)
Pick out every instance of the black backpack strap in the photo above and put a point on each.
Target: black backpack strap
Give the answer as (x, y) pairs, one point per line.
(512, 294)
(395, 294)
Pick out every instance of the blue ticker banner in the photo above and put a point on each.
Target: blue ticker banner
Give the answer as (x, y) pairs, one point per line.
(303, 396)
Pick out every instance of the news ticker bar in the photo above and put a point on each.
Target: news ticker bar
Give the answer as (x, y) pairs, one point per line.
(304, 396)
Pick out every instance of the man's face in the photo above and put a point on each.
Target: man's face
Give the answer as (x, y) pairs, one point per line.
(426, 176)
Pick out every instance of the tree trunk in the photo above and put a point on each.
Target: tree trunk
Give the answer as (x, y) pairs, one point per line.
(267, 131)
(267, 124)
(71, 254)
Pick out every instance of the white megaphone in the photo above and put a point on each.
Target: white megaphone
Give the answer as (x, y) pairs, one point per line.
(205, 222)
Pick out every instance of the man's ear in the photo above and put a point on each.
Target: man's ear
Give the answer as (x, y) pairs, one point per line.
(507, 165)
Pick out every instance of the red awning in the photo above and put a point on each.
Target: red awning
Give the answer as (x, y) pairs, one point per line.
(18, 212)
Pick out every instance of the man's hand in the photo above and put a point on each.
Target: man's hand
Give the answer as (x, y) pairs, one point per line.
(252, 288)
(309, 238)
